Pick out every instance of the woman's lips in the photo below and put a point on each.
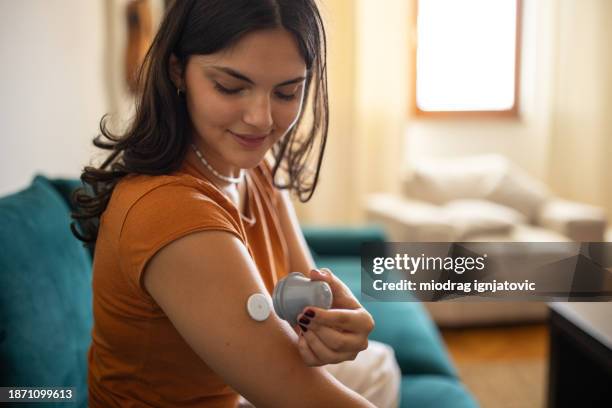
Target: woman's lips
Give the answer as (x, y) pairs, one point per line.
(250, 141)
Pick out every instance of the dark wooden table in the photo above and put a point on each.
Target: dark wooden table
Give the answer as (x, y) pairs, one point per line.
(580, 367)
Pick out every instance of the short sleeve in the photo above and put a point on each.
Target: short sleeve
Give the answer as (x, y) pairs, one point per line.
(162, 215)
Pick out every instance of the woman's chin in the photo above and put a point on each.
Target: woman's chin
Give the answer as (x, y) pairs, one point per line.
(249, 161)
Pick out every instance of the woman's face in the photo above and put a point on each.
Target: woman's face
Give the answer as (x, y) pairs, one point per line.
(245, 98)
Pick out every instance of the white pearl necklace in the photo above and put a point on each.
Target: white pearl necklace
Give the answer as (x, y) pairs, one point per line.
(232, 180)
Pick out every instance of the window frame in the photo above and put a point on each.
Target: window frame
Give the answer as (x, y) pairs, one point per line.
(512, 113)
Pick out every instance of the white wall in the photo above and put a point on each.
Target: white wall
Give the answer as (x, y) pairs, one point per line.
(52, 92)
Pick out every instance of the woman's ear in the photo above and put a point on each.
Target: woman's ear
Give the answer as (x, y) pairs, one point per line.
(175, 68)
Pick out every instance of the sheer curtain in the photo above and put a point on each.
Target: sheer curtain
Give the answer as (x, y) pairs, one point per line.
(369, 75)
(580, 165)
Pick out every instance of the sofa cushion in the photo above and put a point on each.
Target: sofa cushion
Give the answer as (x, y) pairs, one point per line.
(580, 222)
(65, 187)
(471, 217)
(407, 220)
(522, 233)
(490, 177)
(45, 301)
(439, 181)
(516, 189)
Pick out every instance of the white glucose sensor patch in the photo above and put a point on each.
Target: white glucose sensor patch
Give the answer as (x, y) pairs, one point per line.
(258, 307)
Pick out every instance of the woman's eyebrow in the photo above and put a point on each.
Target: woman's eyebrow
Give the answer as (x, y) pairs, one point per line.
(243, 77)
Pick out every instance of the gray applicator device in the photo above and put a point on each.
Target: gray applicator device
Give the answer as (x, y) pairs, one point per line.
(294, 292)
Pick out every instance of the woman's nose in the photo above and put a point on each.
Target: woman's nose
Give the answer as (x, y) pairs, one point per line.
(259, 114)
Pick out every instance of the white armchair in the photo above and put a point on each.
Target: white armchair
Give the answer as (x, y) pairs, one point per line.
(578, 222)
(483, 198)
(487, 199)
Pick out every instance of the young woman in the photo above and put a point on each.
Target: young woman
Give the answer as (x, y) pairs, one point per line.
(188, 219)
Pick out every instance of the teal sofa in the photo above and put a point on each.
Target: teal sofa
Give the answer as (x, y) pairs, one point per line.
(46, 317)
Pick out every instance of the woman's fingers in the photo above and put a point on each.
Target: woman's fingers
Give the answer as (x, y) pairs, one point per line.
(321, 343)
(355, 320)
(307, 355)
(339, 341)
(324, 353)
(335, 335)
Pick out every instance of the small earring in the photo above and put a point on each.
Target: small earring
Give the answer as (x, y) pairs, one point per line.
(179, 91)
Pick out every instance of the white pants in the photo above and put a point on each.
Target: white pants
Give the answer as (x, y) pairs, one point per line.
(374, 374)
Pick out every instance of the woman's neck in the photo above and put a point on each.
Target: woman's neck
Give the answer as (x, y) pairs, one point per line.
(235, 192)
(215, 166)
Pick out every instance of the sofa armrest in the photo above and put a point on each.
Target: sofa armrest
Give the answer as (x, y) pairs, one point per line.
(408, 220)
(579, 222)
(341, 241)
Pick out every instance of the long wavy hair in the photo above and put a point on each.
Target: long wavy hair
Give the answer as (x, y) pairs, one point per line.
(157, 139)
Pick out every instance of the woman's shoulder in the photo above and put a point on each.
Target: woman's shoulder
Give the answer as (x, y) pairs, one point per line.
(171, 195)
(134, 187)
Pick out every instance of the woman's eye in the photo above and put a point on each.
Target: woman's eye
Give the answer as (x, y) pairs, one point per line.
(286, 97)
(227, 91)
(235, 91)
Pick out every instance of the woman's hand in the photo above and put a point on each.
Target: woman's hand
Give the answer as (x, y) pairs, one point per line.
(334, 335)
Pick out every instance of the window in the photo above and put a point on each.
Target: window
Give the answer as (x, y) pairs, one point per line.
(467, 57)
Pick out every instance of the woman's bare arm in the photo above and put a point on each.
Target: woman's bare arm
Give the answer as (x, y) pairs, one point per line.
(202, 282)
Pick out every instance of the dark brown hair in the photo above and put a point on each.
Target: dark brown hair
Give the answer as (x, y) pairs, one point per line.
(157, 139)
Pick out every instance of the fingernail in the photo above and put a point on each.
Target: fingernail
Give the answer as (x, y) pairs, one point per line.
(304, 320)
(310, 313)
(323, 272)
(303, 328)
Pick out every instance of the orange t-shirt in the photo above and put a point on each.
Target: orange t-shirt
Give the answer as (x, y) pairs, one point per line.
(137, 358)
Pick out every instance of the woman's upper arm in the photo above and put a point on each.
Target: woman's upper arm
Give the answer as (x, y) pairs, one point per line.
(300, 258)
(202, 282)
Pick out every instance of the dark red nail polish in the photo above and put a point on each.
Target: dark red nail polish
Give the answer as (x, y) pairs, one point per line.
(303, 328)
(304, 320)
(310, 313)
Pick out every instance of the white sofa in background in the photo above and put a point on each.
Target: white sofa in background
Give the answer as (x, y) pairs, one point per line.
(486, 199)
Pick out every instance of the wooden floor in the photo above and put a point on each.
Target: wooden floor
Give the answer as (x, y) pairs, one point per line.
(503, 367)
(498, 343)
